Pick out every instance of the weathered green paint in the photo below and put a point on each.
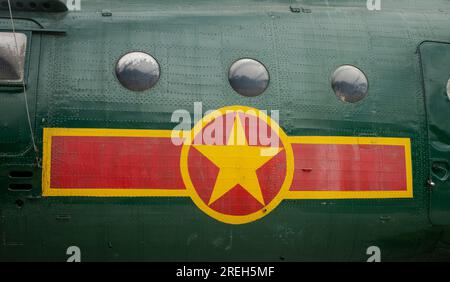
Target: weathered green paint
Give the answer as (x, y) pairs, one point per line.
(435, 61)
(71, 84)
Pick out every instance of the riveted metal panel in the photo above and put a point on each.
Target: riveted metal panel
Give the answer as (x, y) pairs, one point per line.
(195, 42)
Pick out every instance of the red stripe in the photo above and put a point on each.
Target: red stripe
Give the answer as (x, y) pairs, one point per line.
(154, 163)
(330, 167)
(115, 162)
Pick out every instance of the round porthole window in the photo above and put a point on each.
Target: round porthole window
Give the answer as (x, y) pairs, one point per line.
(248, 77)
(137, 71)
(349, 83)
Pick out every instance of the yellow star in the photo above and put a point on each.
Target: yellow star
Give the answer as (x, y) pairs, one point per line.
(238, 163)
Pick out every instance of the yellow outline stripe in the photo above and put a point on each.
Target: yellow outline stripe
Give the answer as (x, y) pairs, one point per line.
(108, 132)
(181, 192)
(116, 192)
(103, 192)
(348, 140)
(377, 194)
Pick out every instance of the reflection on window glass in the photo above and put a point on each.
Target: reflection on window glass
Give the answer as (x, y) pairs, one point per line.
(248, 77)
(349, 83)
(137, 71)
(12, 63)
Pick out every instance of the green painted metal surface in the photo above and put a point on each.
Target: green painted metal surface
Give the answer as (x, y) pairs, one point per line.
(435, 60)
(71, 83)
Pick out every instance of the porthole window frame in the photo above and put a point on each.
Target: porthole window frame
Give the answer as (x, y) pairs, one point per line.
(17, 85)
(131, 90)
(256, 60)
(338, 97)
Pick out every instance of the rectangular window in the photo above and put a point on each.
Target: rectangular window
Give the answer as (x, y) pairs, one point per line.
(12, 57)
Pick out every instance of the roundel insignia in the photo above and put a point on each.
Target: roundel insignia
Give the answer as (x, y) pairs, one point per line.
(237, 165)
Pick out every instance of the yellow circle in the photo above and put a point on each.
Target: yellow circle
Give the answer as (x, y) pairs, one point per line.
(237, 219)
